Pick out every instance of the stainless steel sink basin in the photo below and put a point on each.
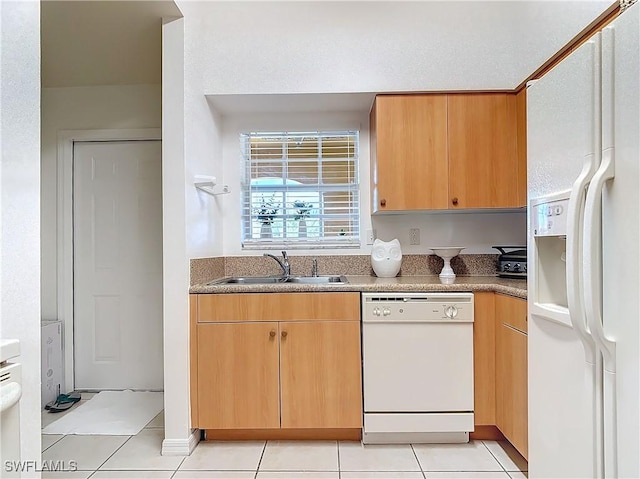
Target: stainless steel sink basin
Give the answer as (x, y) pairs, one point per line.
(248, 280)
(318, 280)
(279, 280)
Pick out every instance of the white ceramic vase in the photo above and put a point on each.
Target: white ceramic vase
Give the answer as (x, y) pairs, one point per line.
(386, 258)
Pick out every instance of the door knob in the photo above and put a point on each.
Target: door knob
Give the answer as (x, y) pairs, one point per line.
(454, 200)
(284, 334)
(272, 333)
(383, 202)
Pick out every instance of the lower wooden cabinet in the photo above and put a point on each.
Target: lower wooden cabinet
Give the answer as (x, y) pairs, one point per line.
(238, 368)
(511, 371)
(484, 359)
(254, 372)
(320, 374)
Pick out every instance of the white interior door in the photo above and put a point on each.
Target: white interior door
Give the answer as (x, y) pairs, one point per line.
(117, 243)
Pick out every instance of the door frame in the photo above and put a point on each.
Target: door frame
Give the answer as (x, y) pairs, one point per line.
(64, 230)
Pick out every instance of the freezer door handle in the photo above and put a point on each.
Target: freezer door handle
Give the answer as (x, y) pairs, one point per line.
(575, 220)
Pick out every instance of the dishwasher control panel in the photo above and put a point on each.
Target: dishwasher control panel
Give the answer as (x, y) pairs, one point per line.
(417, 307)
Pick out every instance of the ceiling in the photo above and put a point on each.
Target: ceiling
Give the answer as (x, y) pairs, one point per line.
(88, 43)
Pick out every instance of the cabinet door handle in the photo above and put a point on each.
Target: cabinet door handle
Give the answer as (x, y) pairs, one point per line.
(272, 333)
(284, 334)
(454, 200)
(383, 202)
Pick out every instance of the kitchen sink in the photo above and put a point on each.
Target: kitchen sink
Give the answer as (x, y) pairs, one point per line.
(318, 280)
(280, 280)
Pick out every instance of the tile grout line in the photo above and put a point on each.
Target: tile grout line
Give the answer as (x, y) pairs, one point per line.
(264, 448)
(418, 461)
(52, 444)
(112, 454)
(179, 466)
(497, 460)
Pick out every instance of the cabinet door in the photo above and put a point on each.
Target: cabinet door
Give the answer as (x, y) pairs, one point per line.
(409, 152)
(321, 385)
(238, 376)
(483, 161)
(484, 359)
(241, 307)
(511, 372)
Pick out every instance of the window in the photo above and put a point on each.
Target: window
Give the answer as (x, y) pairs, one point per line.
(300, 189)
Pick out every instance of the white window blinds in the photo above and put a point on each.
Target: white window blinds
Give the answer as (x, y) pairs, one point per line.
(300, 189)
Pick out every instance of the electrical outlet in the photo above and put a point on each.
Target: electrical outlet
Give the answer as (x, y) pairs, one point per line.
(414, 236)
(371, 236)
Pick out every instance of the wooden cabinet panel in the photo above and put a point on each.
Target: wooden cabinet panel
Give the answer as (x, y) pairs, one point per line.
(483, 169)
(321, 383)
(278, 307)
(484, 363)
(512, 311)
(511, 371)
(238, 376)
(521, 112)
(409, 152)
(511, 391)
(193, 357)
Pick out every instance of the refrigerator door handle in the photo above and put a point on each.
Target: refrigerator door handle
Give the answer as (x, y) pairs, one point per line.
(593, 283)
(593, 259)
(575, 290)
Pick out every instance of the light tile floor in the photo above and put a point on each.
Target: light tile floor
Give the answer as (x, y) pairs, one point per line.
(134, 457)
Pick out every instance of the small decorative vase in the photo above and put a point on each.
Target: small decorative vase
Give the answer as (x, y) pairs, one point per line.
(386, 258)
(265, 230)
(302, 229)
(447, 276)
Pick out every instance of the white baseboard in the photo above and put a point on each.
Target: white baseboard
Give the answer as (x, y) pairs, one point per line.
(181, 447)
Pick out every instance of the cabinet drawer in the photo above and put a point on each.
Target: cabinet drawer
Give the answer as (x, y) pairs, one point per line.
(278, 307)
(511, 311)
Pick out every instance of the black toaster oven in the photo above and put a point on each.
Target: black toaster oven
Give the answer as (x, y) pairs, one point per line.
(512, 264)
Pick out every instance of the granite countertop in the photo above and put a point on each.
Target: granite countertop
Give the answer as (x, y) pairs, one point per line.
(512, 287)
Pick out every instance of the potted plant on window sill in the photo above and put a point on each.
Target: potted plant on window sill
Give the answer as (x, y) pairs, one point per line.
(266, 214)
(303, 210)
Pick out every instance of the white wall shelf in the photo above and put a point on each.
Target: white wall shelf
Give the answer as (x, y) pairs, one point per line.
(209, 185)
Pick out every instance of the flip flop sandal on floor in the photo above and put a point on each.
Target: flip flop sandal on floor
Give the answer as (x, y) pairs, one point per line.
(72, 398)
(59, 407)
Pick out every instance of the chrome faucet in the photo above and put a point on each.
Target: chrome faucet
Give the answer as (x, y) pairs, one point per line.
(314, 267)
(284, 264)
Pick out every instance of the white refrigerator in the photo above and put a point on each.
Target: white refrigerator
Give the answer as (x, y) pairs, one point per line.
(583, 126)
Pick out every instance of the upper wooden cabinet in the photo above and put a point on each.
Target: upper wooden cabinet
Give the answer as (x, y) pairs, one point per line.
(483, 161)
(409, 152)
(448, 151)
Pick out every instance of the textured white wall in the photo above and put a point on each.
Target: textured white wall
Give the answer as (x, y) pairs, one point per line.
(350, 46)
(83, 108)
(476, 232)
(20, 190)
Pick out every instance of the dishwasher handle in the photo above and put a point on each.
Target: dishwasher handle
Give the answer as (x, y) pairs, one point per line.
(414, 321)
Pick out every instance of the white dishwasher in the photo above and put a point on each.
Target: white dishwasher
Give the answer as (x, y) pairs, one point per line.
(417, 367)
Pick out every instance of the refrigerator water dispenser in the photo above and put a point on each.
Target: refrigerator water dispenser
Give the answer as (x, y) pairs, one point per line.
(549, 227)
